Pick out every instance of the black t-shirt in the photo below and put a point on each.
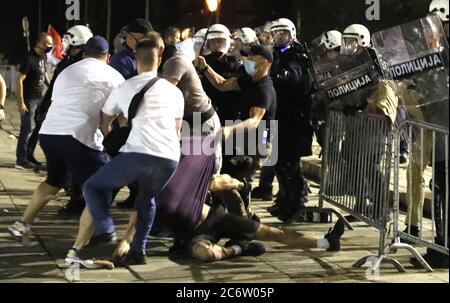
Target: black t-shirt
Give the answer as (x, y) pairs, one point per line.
(33, 66)
(258, 94)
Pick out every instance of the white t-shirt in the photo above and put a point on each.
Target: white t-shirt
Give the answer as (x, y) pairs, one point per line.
(154, 127)
(78, 96)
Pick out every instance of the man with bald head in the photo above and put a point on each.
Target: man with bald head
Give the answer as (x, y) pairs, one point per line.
(30, 84)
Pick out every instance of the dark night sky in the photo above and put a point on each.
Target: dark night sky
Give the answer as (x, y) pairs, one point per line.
(316, 15)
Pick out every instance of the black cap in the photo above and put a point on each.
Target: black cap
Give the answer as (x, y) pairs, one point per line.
(260, 50)
(140, 26)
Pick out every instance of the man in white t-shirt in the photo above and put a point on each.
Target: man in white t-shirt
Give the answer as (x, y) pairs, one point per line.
(70, 136)
(150, 155)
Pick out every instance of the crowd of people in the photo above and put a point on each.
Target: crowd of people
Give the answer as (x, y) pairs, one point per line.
(137, 118)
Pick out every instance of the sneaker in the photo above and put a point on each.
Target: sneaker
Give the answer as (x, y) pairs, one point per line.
(103, 240)
(72, 256)
(334, 236)
(25, 166)
(262, 194)
(133, 258)
(33, 161)
(86, 264)
(20, 232)
(249, 249)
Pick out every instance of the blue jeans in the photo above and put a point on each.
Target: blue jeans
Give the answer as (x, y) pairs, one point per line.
(150, 173)
(26, 143)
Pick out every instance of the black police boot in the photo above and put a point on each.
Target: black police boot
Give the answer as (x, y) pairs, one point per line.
(290, 213)
(262, 193)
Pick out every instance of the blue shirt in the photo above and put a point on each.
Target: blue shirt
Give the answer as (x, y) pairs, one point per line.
(125, 63)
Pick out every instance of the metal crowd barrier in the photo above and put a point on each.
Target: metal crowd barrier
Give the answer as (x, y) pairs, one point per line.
(356, 171)
(9, 73)
(429, 147)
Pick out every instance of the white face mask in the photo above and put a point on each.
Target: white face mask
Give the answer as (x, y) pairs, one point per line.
(186, 48)
(250, 67)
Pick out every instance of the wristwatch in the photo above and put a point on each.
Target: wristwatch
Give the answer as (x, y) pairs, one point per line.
(1, 107)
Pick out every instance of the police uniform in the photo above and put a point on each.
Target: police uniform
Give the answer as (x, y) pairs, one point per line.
(293, 85)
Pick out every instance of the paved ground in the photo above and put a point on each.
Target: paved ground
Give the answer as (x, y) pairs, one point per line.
(55, 234)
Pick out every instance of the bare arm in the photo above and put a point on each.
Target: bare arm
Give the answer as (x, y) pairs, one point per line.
(2, 98)
(2, 91)
(219, 82)
(173, 81)
(19, 92)
(47, 79)
(179, 123)
(106, 123)
(256, 115)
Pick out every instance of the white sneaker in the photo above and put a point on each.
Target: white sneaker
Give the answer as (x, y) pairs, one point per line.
(72, 257)
(21, 233)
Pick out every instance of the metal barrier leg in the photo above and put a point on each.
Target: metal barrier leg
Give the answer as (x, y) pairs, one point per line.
(393, 248)
(380, 260)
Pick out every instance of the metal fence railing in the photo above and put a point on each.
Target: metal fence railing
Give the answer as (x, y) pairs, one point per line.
(426, 224)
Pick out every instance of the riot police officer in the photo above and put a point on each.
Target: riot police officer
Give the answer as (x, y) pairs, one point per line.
(292, 84)
(329, 45)
(219, 42)
(441, 182)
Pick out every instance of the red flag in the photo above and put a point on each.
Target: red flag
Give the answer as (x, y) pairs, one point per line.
(57, 52)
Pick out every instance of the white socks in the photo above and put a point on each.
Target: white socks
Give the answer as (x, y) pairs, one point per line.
(323, 244)
(237, 250)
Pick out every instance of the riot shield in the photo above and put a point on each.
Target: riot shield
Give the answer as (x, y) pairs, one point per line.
(356, 79)
(417, 56)
(323, 60)
(344, 83)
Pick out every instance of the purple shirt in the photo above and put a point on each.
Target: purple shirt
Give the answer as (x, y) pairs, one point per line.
(179, 207)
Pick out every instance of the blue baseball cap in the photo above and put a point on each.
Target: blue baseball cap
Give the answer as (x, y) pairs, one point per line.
(97, 45)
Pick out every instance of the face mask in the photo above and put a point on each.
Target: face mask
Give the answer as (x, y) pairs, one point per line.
(187, 48)
(46, 49)
(250, 67)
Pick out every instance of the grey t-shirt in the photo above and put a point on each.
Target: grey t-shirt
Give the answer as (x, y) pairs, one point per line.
(179, 68)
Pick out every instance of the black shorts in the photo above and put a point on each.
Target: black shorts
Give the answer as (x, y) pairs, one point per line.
(219, 224)
(64, 154)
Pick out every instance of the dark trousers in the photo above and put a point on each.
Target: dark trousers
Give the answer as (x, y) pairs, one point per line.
(28, 140)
